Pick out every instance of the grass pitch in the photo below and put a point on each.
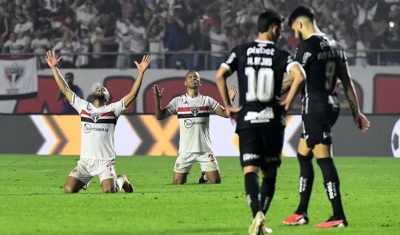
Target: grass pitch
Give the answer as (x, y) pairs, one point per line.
(32, 199)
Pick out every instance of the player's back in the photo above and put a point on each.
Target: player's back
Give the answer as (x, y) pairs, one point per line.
(260, 69)
(321, 58)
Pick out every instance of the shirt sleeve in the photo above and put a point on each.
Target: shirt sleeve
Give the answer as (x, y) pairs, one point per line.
(78, 103)
(118, 107)
(231, 64)
(288, 62)
(213, 104)
(172, 107)
(302, 54)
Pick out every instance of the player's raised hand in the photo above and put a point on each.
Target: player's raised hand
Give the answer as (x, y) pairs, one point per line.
(362, 122)
(51, 59)
(157, 92)
(144, 64)
(232, 91)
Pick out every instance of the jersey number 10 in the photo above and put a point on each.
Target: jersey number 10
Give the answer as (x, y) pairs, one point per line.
(260, 84)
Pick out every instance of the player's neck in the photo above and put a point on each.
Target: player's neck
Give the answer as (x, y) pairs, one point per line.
(312, 30)
(98, 103)
(263, 37)
(192, 93)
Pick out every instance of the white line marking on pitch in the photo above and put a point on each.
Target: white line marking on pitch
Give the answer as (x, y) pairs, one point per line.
(36, 171)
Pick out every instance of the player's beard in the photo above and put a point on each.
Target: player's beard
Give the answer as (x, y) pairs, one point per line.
(300, 36)
(100, 97)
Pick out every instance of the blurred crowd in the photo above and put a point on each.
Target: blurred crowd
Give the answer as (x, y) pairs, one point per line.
(177, 32)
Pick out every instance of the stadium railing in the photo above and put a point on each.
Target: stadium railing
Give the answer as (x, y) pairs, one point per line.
(356, 57)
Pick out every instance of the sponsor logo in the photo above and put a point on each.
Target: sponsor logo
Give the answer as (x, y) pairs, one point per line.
(250, 157)
(87, 128)
(189, 123)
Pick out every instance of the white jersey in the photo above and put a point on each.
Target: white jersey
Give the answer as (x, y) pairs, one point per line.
(98, 127)
(194, 122)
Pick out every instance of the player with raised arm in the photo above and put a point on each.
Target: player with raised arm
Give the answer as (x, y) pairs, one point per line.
(323, 60)
(97, 136)
(260, 67)
(193, 111)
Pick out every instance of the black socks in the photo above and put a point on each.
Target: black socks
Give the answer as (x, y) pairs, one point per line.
(306, 181)
(252, 188)
(332, 186)
(267, 193)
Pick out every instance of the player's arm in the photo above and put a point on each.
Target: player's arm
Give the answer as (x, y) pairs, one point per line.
(52, 61)
(221, 111)
(297, 76)
(348, 88)
(158, 111)
(138, 82)
(225, 70)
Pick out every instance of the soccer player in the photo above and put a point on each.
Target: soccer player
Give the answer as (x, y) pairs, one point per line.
(97, 136)
(260, 67)
(193, 110)
(323, 61)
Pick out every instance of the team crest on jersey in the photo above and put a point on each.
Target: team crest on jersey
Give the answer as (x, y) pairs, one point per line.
(194, 110)
(14, 73)
(95, 116)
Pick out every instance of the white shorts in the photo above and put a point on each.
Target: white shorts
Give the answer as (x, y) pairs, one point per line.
(207, 162)
(87, 168)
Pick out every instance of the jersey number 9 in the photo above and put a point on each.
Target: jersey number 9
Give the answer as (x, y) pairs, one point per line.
(260, 84)
(330, 71)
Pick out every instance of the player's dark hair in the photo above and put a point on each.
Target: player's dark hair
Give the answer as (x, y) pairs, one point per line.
(267, 19)
(71, 75)
(301, 11)
(190, 71)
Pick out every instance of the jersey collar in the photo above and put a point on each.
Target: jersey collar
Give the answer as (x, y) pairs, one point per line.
(264, 41)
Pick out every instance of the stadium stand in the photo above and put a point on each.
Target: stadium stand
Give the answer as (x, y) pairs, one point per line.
(178, 32)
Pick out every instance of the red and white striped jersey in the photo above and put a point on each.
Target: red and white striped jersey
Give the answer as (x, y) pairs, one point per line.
(194, 118)
(98, 127)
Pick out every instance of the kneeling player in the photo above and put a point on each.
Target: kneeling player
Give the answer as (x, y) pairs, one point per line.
(193, 110)
(97, 136)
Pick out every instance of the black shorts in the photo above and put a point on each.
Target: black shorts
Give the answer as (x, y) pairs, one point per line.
(261, 147)
(318, 123)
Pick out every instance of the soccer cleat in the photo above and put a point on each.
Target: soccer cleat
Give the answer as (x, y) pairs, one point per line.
(267, 230)
(202, 180)
(127, 186)
(296, 219)
(257, 227)
(333, 223)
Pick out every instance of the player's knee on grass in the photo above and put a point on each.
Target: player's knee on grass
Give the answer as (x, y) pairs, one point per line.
(213, 177)
(72, 185)
(108, 186)
(179, 178)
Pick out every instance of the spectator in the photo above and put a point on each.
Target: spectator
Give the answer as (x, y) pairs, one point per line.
(3, 27)
(155, 34)
(138, 41)
(39, 46)
(66, 106)
(124, 47)
(186, 51)
(219, 45)
(14, 45)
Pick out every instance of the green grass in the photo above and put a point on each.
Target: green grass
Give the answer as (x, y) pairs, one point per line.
(32, 199)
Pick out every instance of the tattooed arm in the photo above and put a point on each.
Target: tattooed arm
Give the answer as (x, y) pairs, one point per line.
(348, 88)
